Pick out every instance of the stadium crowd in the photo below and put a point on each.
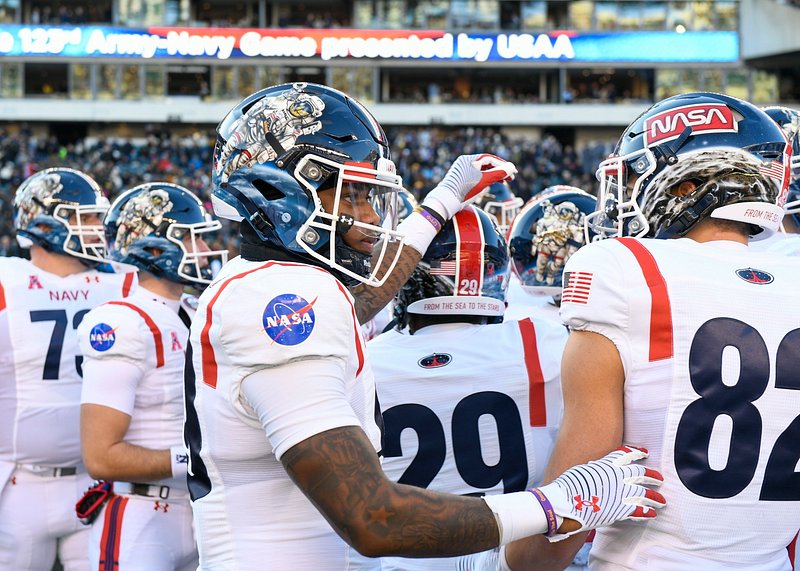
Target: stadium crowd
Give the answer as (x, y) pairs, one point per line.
(422, 156)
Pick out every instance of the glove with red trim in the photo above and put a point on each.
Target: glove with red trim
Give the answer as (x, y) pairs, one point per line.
(467, 178)
(602, 492)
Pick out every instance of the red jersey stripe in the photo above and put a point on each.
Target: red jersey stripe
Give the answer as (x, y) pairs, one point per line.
(2, 297)
(792, 549)
(208, 358)
(357, 328)
(127, 284)
(536, 399)
(153, 329)
(209, 361)
(112, 533)
(660, 308)
(469, 258)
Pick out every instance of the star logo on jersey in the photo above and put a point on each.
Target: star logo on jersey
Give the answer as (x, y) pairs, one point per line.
(435, 361)
(288, 319)
(102, 337)
(753, 276)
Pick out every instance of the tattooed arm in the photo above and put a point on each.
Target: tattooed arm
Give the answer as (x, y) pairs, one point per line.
(339, 472)
(370, 300)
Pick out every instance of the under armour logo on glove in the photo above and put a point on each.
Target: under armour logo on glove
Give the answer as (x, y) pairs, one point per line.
(614, 486)
(581, 504)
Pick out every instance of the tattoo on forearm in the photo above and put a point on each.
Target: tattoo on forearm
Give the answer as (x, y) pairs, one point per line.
(370, 300)
(339, 471)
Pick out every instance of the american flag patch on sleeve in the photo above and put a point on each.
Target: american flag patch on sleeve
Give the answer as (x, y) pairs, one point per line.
(577, 287)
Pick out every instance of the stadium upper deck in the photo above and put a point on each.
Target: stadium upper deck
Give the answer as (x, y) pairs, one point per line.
(554, 64)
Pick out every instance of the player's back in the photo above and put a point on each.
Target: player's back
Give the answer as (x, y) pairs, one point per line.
(709, 337)
(468, 409)
(257, 315)
(40, 364)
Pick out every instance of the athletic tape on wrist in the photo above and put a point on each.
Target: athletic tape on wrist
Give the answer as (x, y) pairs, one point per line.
(518, 514)
(418, 231)
(179, 461)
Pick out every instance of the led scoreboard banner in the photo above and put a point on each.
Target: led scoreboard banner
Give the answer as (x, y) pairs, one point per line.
(330, 44)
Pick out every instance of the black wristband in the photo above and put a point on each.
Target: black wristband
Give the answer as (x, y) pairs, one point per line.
(435, 215)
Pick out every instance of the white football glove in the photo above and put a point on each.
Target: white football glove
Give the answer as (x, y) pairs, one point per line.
(603, 492)
(466, 179)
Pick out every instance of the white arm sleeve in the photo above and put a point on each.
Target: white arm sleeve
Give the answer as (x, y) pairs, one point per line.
(297, 400)
(119, 394)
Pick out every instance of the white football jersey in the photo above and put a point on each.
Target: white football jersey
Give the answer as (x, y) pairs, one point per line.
(521, 303)
(145, 332)
(468, 409)
(709, 336)
(40, 364)
(257, 316)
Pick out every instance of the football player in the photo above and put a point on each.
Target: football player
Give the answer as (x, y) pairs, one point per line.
(684, 341)
(788, 241)
(546, 232)
(501, 203)
(58, 217)
(132, 400)
(470, 404)
(282, 420)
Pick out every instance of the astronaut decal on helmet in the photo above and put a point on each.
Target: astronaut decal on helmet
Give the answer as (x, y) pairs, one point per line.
(673, 142)
(546, 232)
(309, 170)
(272, 124)
(160, 228)
(140, 216)
(60, 209)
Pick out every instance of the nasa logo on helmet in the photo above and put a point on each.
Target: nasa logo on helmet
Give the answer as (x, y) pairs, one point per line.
(715, 141)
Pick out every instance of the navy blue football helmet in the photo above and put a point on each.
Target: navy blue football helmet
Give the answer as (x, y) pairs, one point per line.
(464, 271)
(61, 210)
(158, 227)
(546, 232)
(735, 154)
(789, 121)
(282, 146)
(501, 202)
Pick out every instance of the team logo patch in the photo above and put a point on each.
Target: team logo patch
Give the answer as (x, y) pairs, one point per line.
(289, 319)
(102, 337)
(435, 361)
(753, 276)
(702, 118)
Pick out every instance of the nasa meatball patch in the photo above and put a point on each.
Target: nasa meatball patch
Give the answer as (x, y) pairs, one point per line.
(102, 337)
(288, 319)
